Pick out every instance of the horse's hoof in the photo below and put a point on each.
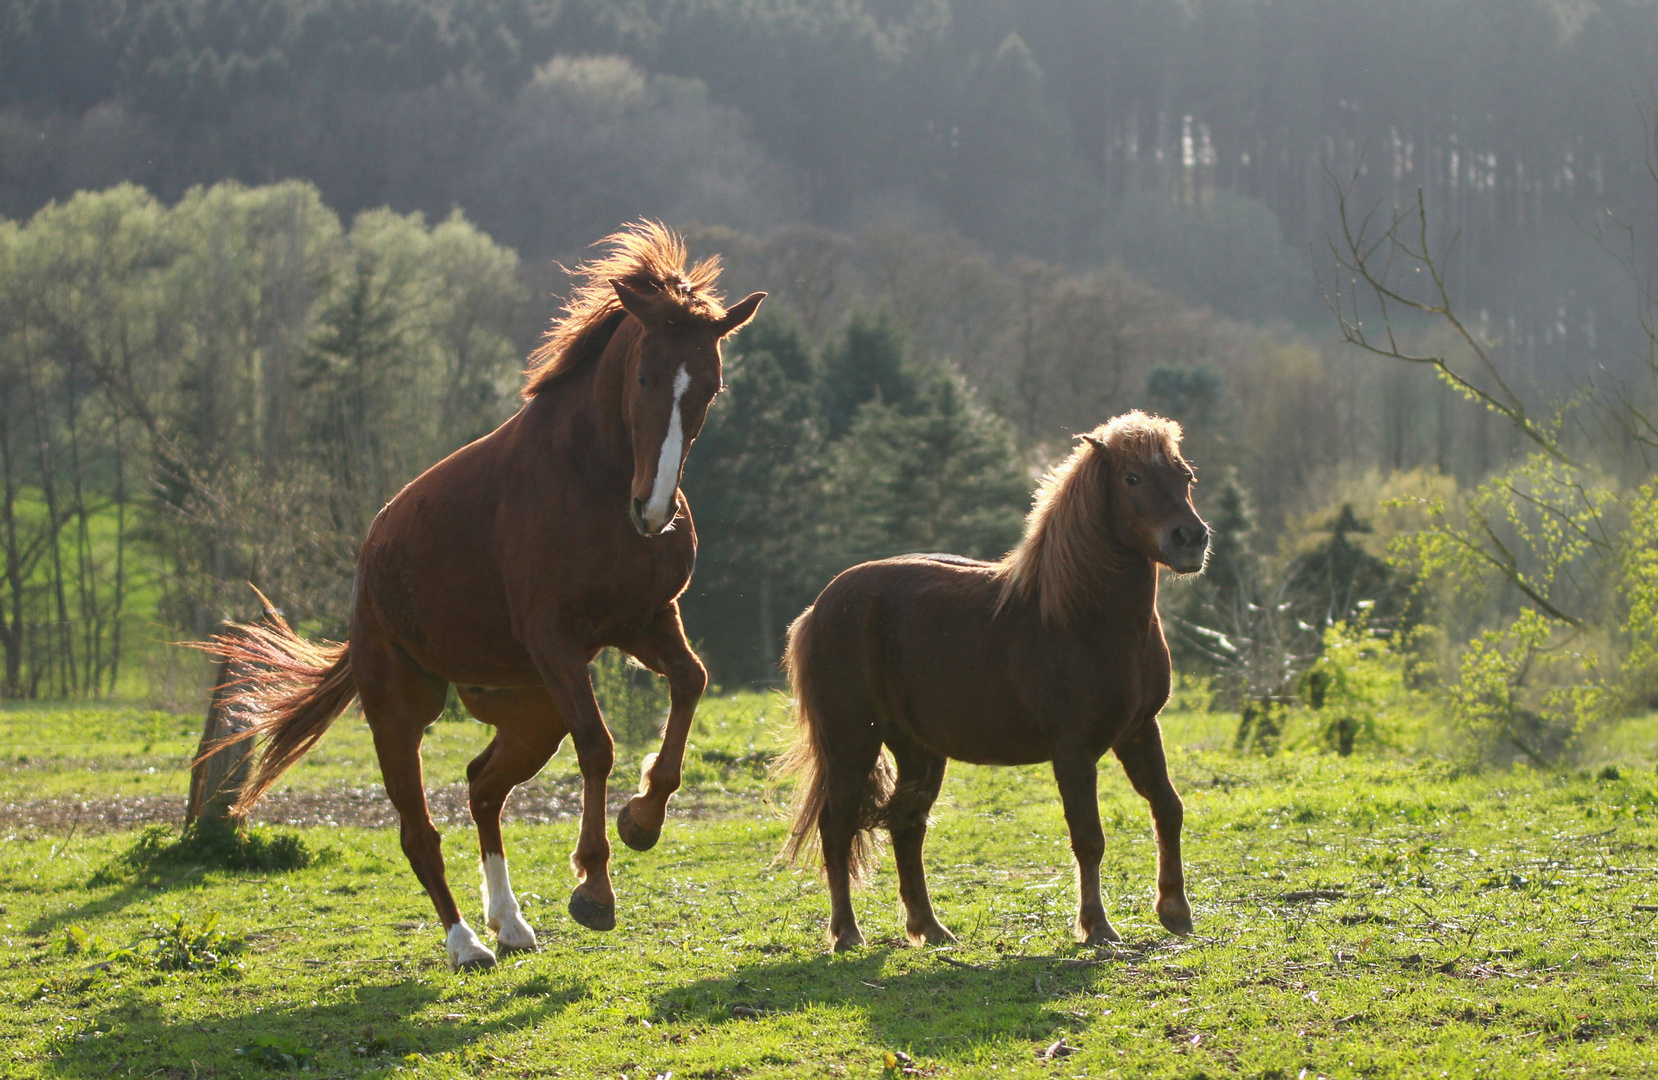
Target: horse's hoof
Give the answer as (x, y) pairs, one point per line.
(477, 963)
(632, 835)
(592, 914)
(1178, 925)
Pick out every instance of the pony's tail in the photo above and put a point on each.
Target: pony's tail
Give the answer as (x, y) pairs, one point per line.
(807, 762)
(286, 691)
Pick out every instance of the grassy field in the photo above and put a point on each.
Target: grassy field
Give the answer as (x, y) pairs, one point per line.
(1356, 918)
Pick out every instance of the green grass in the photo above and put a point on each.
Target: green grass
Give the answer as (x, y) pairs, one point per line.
(1487, 924)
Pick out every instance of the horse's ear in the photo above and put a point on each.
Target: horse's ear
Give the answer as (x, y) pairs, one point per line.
(740, 313)
(635, 303)
(1089, 436)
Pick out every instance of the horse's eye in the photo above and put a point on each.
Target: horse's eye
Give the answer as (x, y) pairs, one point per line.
(1130, 479)
(644, 380)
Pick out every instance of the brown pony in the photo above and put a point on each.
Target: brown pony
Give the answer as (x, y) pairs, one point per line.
(1053, 654)
(506, 567)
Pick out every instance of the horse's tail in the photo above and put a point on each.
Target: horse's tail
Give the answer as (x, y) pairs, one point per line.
(807, 761)
(286, 691)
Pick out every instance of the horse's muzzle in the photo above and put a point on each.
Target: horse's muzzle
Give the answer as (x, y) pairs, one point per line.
(636, 514)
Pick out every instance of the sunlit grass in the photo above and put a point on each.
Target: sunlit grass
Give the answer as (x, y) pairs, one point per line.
(1474, 923)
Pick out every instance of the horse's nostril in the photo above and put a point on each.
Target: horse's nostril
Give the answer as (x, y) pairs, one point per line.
(1180, 539)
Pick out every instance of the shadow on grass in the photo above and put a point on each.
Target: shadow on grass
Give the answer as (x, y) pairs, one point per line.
(370, 1028)
(940, 1009)
(160, 859)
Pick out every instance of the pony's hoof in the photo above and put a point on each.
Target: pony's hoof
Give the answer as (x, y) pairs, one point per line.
(1177, 924)
(591, 913)
(848, 941)
(1103, 934)
(632, 835)
(934, 934)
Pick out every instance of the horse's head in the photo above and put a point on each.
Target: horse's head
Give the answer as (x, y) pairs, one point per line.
(666, 393)
(1149, 492)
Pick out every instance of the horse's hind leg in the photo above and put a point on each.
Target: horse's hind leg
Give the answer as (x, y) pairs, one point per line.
(400, 700)
(528, 732)
(1143, 761)
(1078, 778)
(664, 650)
(920, 774)
(849, 764)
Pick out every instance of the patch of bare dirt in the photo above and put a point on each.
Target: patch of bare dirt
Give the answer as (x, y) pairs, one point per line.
(365, 807)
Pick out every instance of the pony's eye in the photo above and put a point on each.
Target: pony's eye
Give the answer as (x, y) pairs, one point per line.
(644, 380)
(1130, 479)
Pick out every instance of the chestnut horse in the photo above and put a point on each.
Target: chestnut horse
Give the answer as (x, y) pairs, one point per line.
(1053, 654)
(506, 567)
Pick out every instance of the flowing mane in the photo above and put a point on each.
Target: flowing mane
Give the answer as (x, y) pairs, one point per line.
(646, 256)
(1058, 560)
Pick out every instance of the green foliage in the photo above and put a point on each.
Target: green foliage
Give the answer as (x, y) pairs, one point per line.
(1357, 692)
(1638, 586)
(176, 948)
(634, 701)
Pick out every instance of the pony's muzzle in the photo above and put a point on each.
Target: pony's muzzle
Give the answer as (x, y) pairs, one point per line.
(1187, 548)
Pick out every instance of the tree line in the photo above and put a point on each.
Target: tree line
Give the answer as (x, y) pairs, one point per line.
(1187, 140)
(227, 389)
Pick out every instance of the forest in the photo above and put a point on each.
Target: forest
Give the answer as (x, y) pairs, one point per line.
(264, 262)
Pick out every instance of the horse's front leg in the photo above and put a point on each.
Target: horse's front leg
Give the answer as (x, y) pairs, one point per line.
(563, 668)
(1143, 761)
(1078, 777)
(663, 649)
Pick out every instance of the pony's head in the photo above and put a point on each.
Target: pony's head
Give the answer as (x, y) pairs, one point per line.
(1124, 493)
(1147, 489)
(667, 388)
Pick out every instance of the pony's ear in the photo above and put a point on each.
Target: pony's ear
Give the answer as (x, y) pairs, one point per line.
(634, 302)
(740, 313)
(1089, 436)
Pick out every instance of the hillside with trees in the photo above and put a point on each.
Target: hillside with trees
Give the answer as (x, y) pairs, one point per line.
(264, 262)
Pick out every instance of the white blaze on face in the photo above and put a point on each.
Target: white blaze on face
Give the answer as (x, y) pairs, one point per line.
(501, 911)
(659, 510)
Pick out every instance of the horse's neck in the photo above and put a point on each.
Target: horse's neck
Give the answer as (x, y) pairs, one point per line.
(1133, 590)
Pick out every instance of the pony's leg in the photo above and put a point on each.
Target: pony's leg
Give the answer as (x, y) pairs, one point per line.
(848, 765)
(1142, 757)
(663, 649)
(1078, 778)
(920, 774)
(563, 668)
(527, 734)
(400, 700)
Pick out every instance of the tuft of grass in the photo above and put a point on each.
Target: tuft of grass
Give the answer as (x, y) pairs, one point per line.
(253, 847)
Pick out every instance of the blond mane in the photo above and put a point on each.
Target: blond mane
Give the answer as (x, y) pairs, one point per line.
(646, 256)
(1065, 547)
